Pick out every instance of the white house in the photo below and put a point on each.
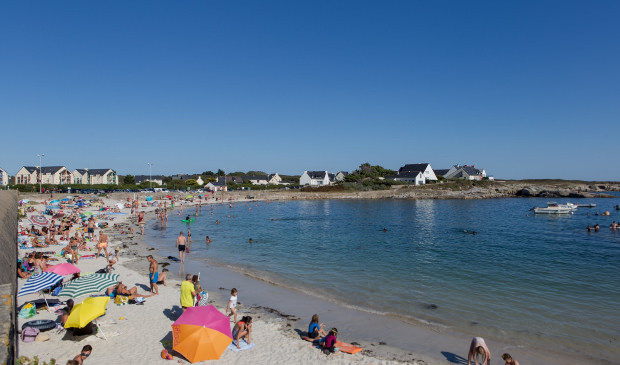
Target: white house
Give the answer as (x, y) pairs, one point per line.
(415, 177)
(216, 186)
(200, 181)
(57, 175)
(340, 175)
(274, 179)
(4, 177)
(103, 177)
(80, 176)
(315, 178)
(465, 172)
(27, 175)
(424, 168)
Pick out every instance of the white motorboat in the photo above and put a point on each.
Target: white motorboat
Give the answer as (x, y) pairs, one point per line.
(554, 208)
(571, 206)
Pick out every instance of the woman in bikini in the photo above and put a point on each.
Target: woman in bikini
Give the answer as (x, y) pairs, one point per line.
(243, 330)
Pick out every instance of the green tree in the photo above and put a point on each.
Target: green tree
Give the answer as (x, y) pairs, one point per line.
(191, 182)
(220, 172)
(129, 180)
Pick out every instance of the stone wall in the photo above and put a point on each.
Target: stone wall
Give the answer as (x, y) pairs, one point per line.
(8, 262)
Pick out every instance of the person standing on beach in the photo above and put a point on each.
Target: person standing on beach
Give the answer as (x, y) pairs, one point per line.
(189, 236)
(180, 244)
(141, 222)
(153, 274)
(479, 347)
(188, 292)
(91, 228)
(103, 245)
(232, 304)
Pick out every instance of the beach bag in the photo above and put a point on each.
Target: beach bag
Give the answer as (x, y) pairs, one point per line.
(29, 334)
(27, 311)
(165, 355)
(57, 291)
(187, 249)
(203, 299)
(121, 299)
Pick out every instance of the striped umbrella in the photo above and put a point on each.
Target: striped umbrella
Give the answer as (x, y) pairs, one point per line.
(39, 220)
(39, 282)
(93, 283)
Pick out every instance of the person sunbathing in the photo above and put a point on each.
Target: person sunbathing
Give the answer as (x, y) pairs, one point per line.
(21, 271)
(35, 243)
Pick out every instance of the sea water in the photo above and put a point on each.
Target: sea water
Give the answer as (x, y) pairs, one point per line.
(523, 278)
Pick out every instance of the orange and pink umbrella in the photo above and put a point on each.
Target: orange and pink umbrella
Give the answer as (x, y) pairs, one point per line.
(201, 333)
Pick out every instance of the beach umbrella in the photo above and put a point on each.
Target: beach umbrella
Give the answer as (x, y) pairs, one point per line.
(63, 269)
(149, 198)
(87, 311)
(88, 213)
(189, 197)
(93, 283)
(55, 202)
(24, 201)
(39, 282)
(201, 333)
(39, 220)
(169, 196)
(65, 200)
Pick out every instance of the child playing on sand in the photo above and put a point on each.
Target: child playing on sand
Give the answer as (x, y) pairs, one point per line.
(329, 342)
(315, 330)
(232, 304)
(86, 350)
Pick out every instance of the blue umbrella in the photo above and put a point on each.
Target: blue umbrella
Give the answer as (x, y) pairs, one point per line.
(65, 200)
(39, 282)
(55, 202)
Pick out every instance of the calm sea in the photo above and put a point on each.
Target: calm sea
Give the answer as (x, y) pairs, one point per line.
(522, 278)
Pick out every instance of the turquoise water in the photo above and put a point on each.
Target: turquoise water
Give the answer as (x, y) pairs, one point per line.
(532, 280)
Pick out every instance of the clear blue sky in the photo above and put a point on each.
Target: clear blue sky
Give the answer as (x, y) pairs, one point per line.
(525, 89)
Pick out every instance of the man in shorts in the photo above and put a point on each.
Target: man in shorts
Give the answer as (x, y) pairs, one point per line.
(91, 228)
(153, 274)
(180, 244)
(141, 222)
(103, 245)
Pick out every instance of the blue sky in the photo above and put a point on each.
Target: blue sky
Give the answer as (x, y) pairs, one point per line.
(525, 89)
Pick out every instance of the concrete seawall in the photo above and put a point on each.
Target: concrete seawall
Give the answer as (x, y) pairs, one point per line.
(8, 284)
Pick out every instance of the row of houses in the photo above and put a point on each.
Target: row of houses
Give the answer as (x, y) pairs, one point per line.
(418, 174)
(60, 175)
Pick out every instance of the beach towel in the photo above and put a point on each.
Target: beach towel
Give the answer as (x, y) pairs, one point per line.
(347, 347)
(242, 346)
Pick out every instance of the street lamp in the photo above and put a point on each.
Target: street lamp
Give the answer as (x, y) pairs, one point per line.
(40, 177)
(150, 175)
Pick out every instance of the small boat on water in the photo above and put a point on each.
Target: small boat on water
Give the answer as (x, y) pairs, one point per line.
(571, 206)
(591, 205)
(554, 208)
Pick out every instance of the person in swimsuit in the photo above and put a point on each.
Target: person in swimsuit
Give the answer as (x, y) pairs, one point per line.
(153, 274)
(141, 222)
(479, 348)
(189, 235)
(74, 245)
(180, 244)
(242, 330)
(103, 245)
(91, 228)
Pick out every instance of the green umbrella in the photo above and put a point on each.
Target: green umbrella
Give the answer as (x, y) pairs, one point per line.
(93, 283)
(189, 197)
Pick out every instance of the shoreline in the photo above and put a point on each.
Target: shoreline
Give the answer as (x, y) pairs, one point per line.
(395, 339)
(284, 312)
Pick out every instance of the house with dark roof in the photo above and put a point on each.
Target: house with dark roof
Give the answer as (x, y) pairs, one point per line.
(424, 168)
(95, 176)
(465, 172)
(256, 180)
(181, 177)
(274, 179)
(57, 175)
(157, 179)
(316, 178)
(415, 177)
(340, 175)
(216, 186)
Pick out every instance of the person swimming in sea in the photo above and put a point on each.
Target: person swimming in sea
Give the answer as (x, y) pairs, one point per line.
(188, 217)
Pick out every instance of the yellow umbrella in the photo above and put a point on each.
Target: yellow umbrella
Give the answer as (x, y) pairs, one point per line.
(87, 311)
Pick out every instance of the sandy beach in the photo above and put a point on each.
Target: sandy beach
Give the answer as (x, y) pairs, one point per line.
(145, 330)
(280, 315)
